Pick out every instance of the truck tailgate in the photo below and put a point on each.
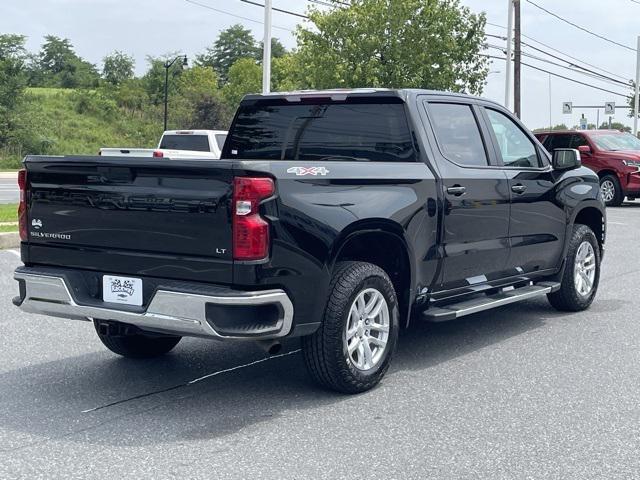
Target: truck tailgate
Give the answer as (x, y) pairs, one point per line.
(132, 215)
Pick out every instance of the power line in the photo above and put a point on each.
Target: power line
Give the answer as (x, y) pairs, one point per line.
(295, 14)
(595, 76)
(626, 83)
(559, 51)
(563, 77)
(575, 25)
(235, 15)
(571, 66)
(327, 4)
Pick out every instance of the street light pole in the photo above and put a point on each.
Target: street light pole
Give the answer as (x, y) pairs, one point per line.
(167, 65)
(266, 49)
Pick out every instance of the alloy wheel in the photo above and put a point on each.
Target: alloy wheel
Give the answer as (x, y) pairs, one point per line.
(367, 329)
(584, 269)
(608, 190)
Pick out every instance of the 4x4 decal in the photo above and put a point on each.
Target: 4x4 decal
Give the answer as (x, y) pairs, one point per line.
(302, 171)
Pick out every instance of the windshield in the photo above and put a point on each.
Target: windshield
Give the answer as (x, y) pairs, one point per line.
(194, 143)
(616, 141)
(357, 130)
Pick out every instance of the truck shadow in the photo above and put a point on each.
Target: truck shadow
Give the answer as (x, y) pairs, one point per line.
(46, 401)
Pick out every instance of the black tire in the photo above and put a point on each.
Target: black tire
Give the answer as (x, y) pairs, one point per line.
(130, 342)
(618, 195)
(325, 352)
(568, 299)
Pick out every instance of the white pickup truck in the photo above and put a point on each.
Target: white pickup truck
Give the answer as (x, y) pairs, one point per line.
(178, 145)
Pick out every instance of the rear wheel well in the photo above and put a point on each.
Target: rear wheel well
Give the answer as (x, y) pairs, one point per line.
(387, 251)
(592, 218)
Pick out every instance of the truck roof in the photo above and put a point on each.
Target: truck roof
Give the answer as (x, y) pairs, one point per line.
(341, 93)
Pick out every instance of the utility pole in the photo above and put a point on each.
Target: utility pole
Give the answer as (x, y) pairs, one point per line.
(550, 104)
(266, 57)
(167, 65)
(517, 59)
(507, 83)
(636, 100)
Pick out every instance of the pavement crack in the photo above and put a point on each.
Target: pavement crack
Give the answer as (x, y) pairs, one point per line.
(189, 383)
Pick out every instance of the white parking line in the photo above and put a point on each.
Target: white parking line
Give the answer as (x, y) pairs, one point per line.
(616, 223)
(15, 252)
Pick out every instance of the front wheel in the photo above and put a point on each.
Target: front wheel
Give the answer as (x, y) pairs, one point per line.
(131, 342)
(611, 191)
(352, 350)
(581, 273)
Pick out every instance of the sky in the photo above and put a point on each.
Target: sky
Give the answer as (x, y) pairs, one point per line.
(157, 27)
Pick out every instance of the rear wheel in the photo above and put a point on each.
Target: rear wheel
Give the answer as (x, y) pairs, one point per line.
(352, 350)
(611, 191)
(581, 274)
(131, 342)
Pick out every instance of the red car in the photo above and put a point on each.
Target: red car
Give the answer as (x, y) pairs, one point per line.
(613, 155)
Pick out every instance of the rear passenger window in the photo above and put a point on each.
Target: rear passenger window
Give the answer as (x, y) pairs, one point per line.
(517, 149)
(458, 134)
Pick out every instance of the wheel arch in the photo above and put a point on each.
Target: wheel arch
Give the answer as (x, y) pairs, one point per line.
(608, 171)
(383, 243)
(592, 215)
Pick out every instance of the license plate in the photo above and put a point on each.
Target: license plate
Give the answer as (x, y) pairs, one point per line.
(122, 290)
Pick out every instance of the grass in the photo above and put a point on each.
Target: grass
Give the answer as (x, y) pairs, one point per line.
(9, 212)
(8, 228)
(55, 121)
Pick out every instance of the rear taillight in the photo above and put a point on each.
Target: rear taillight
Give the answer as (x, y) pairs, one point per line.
(250, 230)
(158, 154)
(22, 206)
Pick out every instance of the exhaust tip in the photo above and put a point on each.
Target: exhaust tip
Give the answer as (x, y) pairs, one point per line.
(272, 347)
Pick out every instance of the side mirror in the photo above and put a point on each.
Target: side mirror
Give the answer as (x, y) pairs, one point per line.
(566, 159)
(584, 149)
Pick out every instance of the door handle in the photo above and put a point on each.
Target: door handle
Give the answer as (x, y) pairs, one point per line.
(519, 189)
(456, 190)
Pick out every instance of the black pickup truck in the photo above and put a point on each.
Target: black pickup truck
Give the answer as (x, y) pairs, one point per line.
(334, 216)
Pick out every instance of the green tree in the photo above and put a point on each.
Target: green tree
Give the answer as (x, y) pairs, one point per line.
(131, 95)
(245, 76)
(385, 43)
(117, 68)
(57, 65)
(234, 43)
(278, 50)
(12, 84)
(198, 103)
(12, 46)
(560, 126)
(153, 80)
(197, 82)
(616, 126)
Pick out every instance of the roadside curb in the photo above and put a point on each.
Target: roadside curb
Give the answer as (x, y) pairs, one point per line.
(9, 174)
(9, 240)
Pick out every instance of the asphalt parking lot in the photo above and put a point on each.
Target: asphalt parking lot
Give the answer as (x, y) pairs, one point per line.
(519, 392)
(9, 192)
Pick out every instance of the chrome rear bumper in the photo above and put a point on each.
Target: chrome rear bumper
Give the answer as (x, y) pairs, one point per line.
(171, 312)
